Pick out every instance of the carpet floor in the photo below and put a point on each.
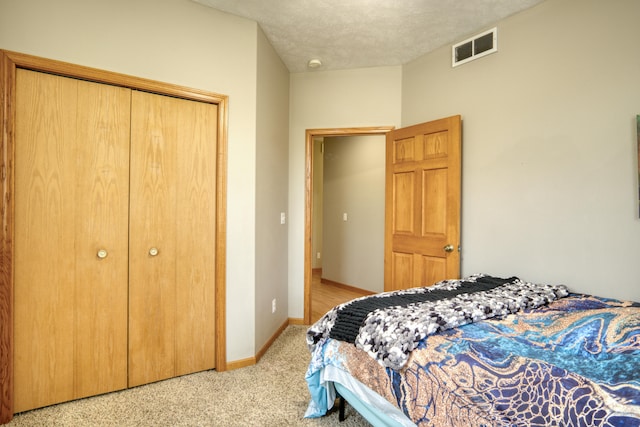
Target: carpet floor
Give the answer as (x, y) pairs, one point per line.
(271, 393)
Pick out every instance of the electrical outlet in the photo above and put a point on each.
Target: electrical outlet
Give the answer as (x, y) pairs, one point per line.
(283, 218)
(317, 255)
(273, 306)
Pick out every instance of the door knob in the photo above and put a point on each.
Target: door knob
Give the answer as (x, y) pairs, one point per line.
(102, 253)
(153, 251)
(448, 248)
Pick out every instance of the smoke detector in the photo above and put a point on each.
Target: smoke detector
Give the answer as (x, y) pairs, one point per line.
(314, 63)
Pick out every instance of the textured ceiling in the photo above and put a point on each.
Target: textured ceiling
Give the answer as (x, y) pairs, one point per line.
(366, 33)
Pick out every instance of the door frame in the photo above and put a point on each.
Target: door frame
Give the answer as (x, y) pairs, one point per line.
(9, 62)
(308, 204)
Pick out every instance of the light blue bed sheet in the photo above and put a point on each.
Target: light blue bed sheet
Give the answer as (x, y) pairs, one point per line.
(323, 381)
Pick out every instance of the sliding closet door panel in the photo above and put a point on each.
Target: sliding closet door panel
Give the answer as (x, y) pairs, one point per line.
(102, 226)
(195, 262)
(152, 238)
(71, 201)
(44, 246)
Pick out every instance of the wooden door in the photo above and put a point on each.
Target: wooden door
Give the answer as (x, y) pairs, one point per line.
(422, 206)
(71, 201)
(196, 238)
(171, 237)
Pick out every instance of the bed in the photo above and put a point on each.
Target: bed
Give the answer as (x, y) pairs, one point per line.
(479, 351)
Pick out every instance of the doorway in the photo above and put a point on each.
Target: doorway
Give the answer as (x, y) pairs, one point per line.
(311, 135)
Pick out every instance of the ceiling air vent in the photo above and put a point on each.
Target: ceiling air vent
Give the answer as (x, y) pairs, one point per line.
(475, 47)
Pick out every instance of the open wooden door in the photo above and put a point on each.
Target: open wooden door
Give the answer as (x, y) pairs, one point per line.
(422, 213)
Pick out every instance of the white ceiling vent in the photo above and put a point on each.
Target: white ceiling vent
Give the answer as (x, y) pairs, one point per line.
(475, 47)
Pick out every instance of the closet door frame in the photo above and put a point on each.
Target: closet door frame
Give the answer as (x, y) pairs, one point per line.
(9, 62)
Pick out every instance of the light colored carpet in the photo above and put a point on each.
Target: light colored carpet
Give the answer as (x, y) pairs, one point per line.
(271, 393)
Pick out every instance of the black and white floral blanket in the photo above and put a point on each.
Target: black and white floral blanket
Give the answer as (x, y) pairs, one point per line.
(390, 325)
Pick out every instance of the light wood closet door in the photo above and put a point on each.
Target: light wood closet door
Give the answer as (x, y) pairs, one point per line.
(71, 177)
(172, 237)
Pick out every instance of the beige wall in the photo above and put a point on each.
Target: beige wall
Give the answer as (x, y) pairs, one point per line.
(174, 41)
(272, 159)
(354, 180)
(330, 99)
(550, 187)
(318, 191)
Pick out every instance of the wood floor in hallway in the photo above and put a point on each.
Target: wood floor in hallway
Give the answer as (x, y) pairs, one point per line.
(325, 296)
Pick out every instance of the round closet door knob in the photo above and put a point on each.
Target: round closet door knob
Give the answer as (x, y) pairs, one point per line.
(102, 253)
(153, 251)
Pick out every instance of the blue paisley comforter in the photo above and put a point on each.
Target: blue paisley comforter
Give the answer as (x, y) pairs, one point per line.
(573, 362)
